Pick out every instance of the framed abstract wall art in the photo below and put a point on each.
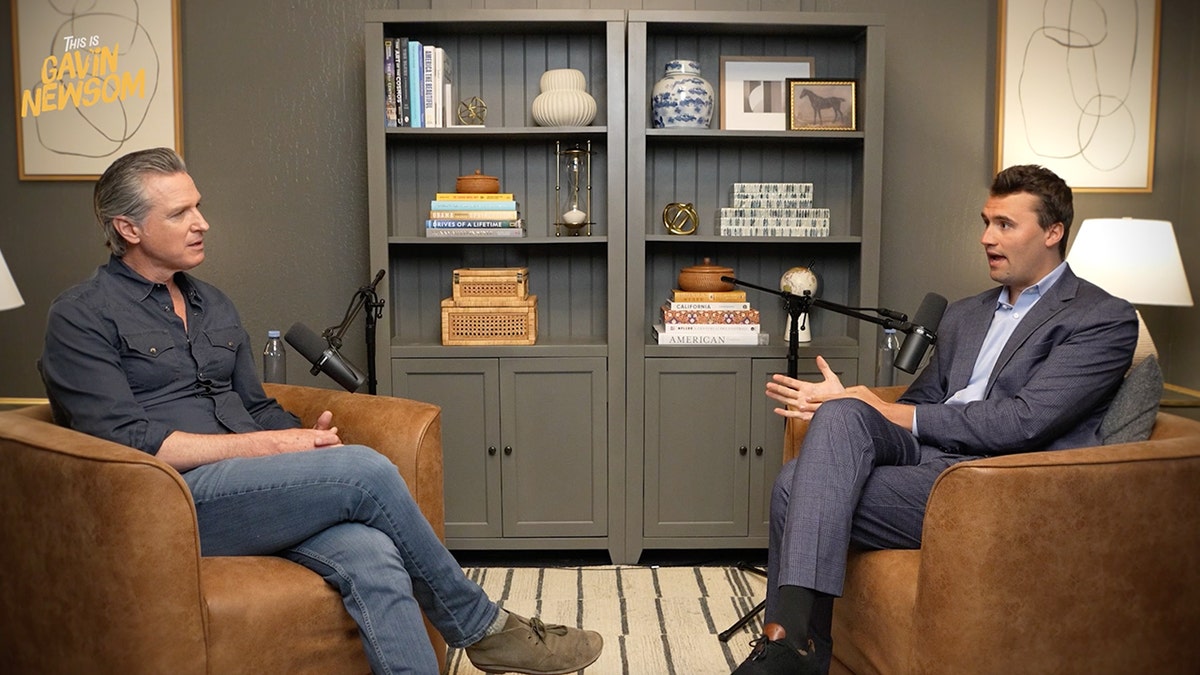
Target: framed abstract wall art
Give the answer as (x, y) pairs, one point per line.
(1077, 90)
(94, 82)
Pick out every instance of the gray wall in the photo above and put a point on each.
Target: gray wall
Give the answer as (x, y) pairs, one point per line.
(274, 136)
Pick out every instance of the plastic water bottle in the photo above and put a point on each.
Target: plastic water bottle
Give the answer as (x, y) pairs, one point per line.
(889, 346)
(274, 359)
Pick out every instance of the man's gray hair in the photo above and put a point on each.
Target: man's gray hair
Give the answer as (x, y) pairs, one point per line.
(119, 192)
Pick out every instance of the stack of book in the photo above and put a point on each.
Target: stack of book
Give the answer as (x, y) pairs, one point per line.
(474, 214)
(708, 318)
(772, 210)
(417, 86)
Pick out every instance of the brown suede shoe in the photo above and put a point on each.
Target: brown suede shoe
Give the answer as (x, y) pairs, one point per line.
(535, 648)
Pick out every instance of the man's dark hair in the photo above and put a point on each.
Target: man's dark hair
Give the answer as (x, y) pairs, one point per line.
(1053, 193)
(119, 192)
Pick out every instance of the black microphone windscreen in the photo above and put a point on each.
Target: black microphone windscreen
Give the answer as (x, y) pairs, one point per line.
(929, 314)
(310, 345)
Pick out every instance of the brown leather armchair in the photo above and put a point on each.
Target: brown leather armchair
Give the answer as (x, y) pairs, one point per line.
(100, 565)
(1073, 561)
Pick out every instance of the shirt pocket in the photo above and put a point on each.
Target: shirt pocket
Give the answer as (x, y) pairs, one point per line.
(217, 352)
(151, 360)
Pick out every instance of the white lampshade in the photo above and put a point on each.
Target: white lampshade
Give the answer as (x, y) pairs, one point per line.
(10, 297)
(1132, 258)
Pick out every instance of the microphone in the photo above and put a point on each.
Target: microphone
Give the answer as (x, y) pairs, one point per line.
(922, 334)
(324, 357)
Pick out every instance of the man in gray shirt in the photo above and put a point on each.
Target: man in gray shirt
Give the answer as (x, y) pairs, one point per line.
(146, 355)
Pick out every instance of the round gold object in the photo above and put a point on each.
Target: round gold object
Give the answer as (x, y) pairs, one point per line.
(472, 111)
(680, 218)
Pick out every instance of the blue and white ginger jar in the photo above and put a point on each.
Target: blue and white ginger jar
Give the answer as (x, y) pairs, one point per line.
(681, 98)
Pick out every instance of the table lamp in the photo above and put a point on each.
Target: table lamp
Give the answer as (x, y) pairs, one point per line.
(1135, 259)
(10, 297)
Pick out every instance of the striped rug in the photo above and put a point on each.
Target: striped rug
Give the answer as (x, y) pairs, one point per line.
(655, 620)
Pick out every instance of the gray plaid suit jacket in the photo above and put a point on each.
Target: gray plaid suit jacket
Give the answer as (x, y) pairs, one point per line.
(1051, 385)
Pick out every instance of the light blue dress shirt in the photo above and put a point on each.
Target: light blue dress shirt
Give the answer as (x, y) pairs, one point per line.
(1004, 322)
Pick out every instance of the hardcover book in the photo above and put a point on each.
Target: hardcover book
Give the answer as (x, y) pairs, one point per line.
(716, 339)
(708, 296)
(708, 317)
(477, 205)
(473, 215)
(475, 196)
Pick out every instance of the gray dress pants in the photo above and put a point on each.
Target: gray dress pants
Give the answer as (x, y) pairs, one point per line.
(859, 481)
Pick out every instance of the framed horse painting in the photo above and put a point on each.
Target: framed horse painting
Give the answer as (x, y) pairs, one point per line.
(821, 105)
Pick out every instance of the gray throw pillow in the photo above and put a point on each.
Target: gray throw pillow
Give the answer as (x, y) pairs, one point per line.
(1130, 418)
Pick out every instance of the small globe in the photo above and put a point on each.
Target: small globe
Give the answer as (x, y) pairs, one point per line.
(797, 280)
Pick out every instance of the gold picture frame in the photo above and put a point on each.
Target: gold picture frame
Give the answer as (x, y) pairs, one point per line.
(1077, 91)
(93, 84)
(822, 105)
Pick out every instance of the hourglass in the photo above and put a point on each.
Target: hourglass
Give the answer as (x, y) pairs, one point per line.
(573, 189)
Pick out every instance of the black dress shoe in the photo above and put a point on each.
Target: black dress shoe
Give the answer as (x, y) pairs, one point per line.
(776, 657)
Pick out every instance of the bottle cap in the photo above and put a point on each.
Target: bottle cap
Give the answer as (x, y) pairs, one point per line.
(272, 333)
(886, 330)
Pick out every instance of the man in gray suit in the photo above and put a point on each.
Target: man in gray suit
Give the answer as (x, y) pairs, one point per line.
(1031, 365)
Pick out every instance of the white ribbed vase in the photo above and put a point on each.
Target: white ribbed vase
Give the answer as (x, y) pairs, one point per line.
(563, 101)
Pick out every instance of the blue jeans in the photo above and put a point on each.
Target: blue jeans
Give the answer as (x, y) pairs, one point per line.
(346, 514)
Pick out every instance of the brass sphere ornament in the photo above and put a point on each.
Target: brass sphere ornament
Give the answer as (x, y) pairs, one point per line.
(680, 218)
(472, 111)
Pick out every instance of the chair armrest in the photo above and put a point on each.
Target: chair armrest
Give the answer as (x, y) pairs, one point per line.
(407, 432)
(1081, 560)
(100, 557)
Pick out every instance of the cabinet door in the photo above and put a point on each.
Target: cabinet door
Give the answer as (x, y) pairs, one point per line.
(468, 392)
(554, 417)
(767, 432)
(697, 456)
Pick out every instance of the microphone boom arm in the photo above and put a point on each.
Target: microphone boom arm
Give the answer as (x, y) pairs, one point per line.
(798, 305)
(365, 296)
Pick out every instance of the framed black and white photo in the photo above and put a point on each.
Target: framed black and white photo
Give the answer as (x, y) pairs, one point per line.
(821, 105)
(753, 90)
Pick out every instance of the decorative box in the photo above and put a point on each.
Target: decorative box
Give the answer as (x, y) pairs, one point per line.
(481, 285)
(508, 321)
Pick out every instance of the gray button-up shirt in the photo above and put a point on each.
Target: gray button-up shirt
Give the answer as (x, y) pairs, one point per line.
(119, 364)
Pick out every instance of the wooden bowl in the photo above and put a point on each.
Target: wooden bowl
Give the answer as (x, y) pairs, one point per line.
(705, 277)
(477, 182)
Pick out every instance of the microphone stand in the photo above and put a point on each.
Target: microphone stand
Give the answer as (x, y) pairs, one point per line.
(798, 305)
(365, 296)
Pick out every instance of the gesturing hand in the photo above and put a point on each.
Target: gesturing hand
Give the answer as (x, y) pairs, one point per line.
(800, 397)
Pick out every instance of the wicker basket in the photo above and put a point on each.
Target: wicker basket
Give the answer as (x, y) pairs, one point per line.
(503, 323)
(482, 286)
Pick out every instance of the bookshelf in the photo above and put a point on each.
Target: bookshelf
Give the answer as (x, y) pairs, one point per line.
(595, 437)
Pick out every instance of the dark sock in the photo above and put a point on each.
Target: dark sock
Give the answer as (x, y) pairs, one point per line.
(795, 609)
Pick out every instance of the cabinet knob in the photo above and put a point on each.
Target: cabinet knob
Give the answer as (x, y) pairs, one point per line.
(743, 450)
(758, 451)
(508, 450)
(492, 450)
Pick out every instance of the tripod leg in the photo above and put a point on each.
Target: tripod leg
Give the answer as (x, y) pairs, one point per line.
(747, 618)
